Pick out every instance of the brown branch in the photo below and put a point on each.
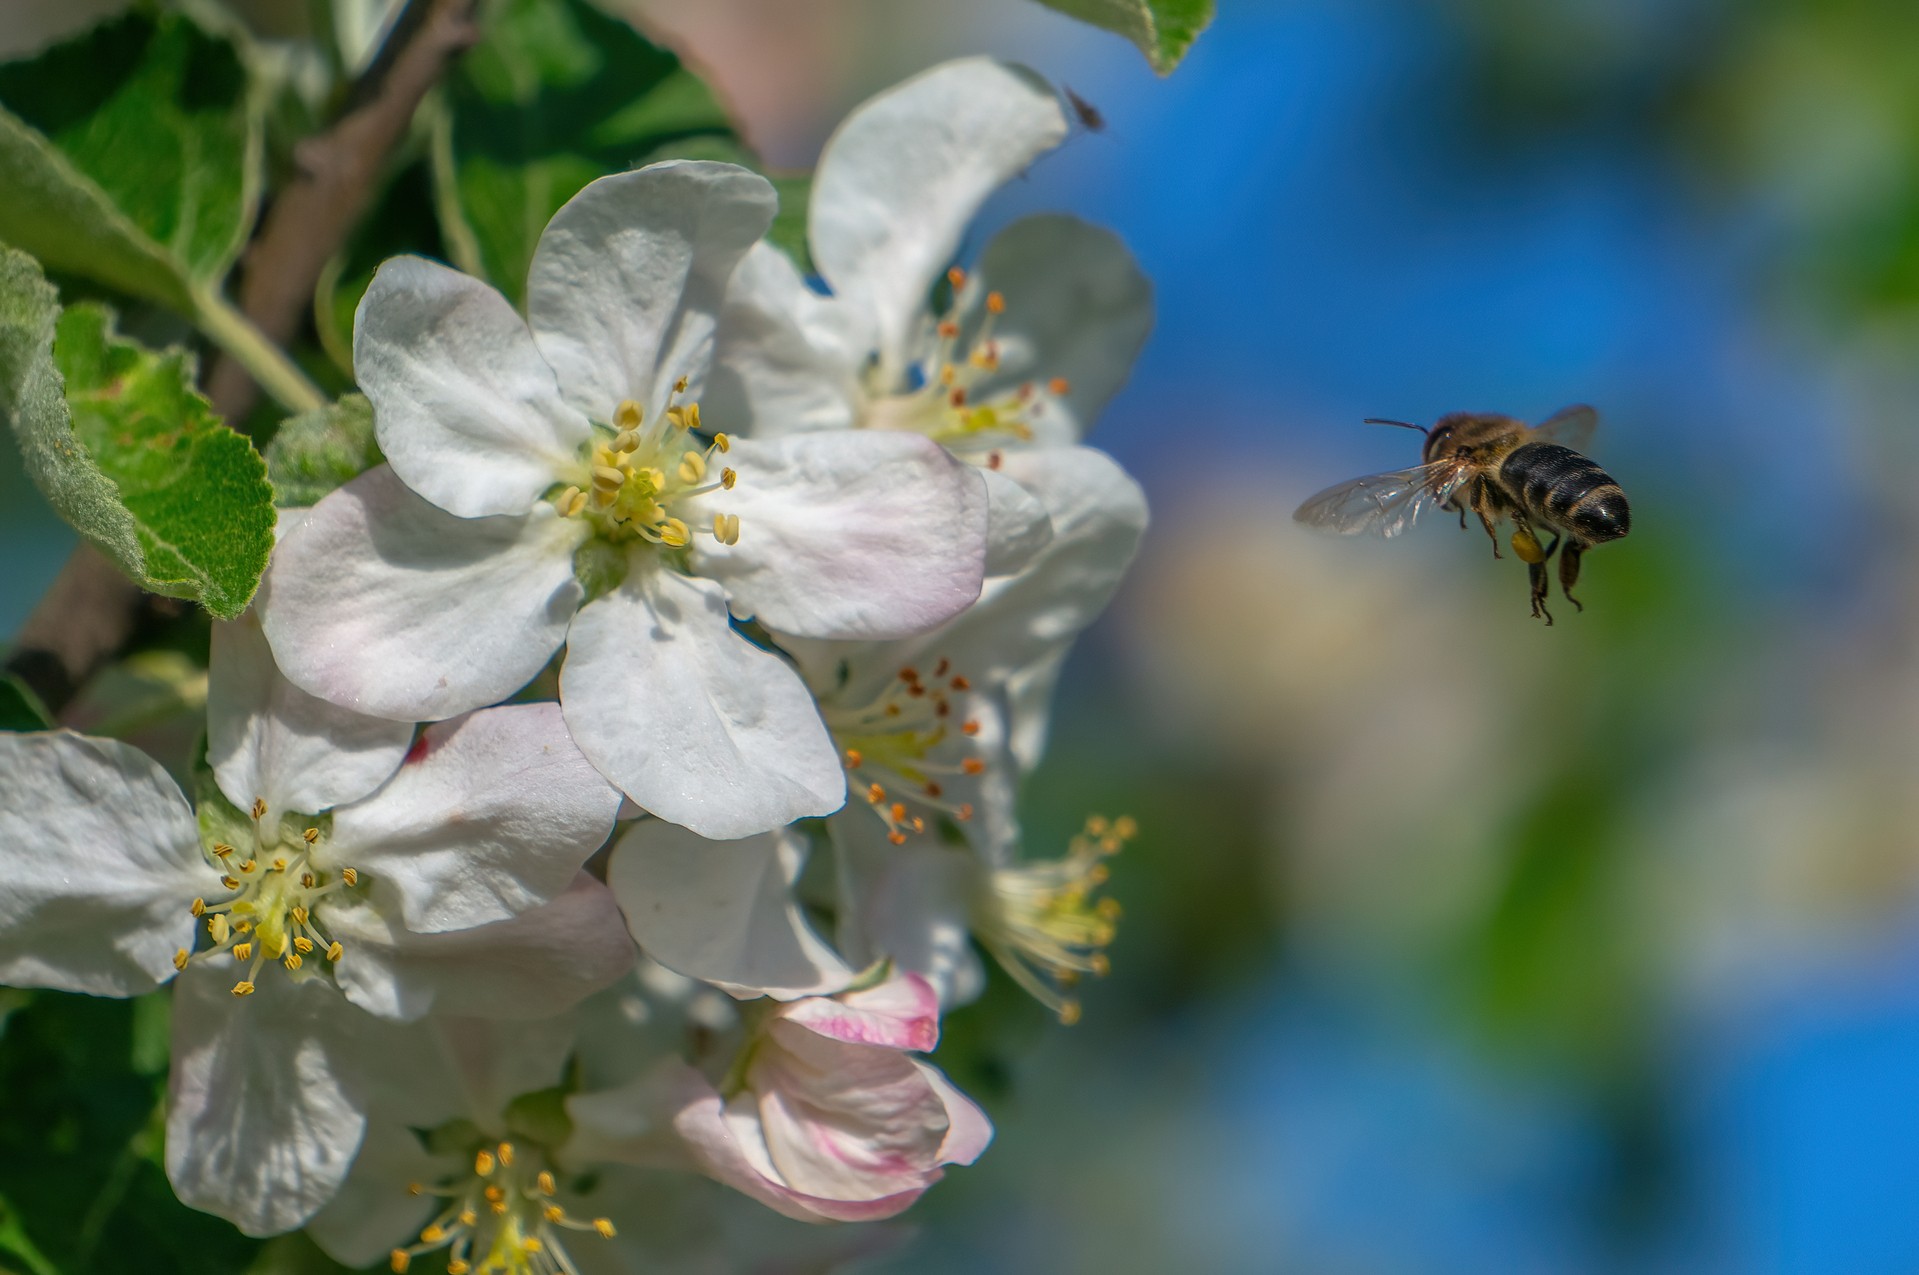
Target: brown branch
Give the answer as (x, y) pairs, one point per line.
(92, 611)
(338, 173)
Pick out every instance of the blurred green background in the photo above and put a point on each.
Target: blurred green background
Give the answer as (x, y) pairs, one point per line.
(1454, 943)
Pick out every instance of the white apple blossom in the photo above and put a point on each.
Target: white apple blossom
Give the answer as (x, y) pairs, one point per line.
(936, 732)
(824, 1114)
(471, 1152)
(551, 482)
(385, 875)
(1031, 345)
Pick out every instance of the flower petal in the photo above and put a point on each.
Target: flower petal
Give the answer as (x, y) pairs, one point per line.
(101, 862)
(531, 966)
(785, 359)
(374, 1212)
(628, 278)
(268, 739)
(723, 911)
(466, 411)
(968, 1132)
(901, 1013)
(1017, 525)
(726, 1144)
(904, 174)
(909, 904)
(694, 722)
(1077, 308)
(264, 1112)
(492, 814)
(384, 604)
(850, 534)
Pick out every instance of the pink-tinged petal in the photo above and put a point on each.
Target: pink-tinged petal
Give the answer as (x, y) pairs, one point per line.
(728, 1145)
(491, 814)
(382, 603)
(265, 1109)
(100, 862)
(723, 911)
(855, 534)
(900, 1013)
(691, 720)
(269, 740)
(628, 278)
(968, 1131)
(531, 966)
(466, 411)
(785, 359)
(900, 180)
(846, 1122)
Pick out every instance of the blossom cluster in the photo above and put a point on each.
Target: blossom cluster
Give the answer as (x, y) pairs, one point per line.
(606, 795)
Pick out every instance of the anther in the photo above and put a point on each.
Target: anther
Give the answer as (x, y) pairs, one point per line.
(875, 794)
(199, 907)
(483, 1162)
(970, 726)
(960, 683)
(349, 876)
(973, 766)
(433, 1234)
(964, 813)
(949, 329)
(230, 882)
(995, 303)
(727, 476)
(853, 758)
(221, 849)
(505, 1152)
(722, 442)
(1059, 386)
(692, 467)
(310, 836)
(673, 533)
(335, 950)
(627, 440)
(627, 416)
(180, 959)
(545, 1183)
(302, 945)
(679, 386)
(604, 1225)
(607, 478)
(243, 988)
(956, 276)
(218, 927)
(259, 807)
(398, 1260)
(1069, 1012)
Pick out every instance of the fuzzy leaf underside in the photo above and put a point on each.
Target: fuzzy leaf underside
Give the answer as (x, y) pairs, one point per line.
(122, 446)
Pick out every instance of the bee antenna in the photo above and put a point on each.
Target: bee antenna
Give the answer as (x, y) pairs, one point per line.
(1375, 420)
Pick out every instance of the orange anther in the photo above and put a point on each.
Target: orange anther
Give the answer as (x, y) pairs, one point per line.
(995, 303)
(956, 277)
(973, 766)
(1059, 386)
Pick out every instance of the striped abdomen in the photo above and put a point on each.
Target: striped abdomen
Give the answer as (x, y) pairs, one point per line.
(1559, 488)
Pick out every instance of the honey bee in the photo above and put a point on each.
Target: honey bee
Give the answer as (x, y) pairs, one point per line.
(1499, 468)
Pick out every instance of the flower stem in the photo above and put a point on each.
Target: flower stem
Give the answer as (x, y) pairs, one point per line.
(264, 361)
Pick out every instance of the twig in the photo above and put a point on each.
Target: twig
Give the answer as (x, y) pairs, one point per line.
(92, 610)
(338, 171)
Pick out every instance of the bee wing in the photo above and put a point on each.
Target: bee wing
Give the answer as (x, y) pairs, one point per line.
(1383, 504)
(1569, 426)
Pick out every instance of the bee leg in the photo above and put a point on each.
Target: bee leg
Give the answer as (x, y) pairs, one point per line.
(1536, 559)
(1569, 571)
(1486, 518)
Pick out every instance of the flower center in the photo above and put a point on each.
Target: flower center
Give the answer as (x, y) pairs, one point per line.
(1040, 919)
(639, 474)
(269, 914)
(948, 405)
(501, 1218)
(903, 742)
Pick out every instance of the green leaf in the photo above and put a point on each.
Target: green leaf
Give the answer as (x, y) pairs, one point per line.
(20, 708)
(315, 452)
(131, 155)
(1163, 29)
(555, 94)
(125, 450)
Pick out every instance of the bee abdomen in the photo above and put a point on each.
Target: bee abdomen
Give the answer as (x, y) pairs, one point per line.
(1558, 487)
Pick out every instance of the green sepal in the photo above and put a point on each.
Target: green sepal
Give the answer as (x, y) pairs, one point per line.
(20, 708)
